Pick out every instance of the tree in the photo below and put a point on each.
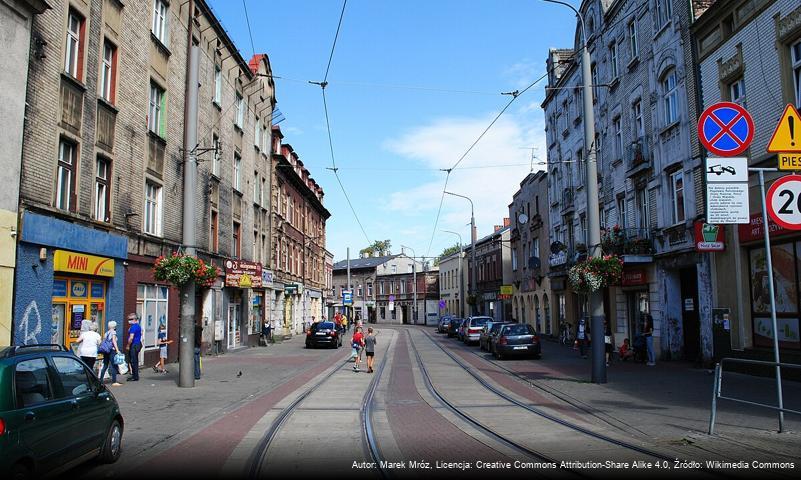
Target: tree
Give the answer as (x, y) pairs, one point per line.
(378, 248)
(447, 252)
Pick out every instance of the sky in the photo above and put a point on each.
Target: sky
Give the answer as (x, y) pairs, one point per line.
(411, 86)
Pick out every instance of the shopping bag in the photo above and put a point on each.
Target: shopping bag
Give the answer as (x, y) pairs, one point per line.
(123, 368)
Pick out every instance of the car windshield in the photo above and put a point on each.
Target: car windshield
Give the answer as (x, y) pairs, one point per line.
(496, 327)
(519, 329)
(479, 321)
(324, 326)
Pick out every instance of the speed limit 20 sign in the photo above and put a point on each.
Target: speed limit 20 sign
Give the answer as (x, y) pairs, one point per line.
(784, 202)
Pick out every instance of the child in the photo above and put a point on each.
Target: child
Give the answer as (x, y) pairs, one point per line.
(162, 343)
(357, 343)
(625, 350)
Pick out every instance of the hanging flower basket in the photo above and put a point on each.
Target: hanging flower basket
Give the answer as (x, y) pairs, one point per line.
(179, 269)
(595, 273)
(613, 241)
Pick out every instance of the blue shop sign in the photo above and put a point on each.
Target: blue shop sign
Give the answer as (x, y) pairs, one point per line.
(59, 288)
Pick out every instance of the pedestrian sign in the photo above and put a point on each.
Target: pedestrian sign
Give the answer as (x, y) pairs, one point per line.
(726, 129)
(786, 140)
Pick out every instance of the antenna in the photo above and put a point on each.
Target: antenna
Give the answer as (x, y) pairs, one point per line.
(533, 156)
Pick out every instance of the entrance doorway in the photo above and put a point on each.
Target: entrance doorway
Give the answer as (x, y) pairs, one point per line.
(691, 324)
(404, 314)
(234, 323)
(637, 303)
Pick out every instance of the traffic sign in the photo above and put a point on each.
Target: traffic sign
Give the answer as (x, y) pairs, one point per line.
(347, 297)
(784, 201)
(726, 129)
(786, 139)
(442, 304)
(727, 190)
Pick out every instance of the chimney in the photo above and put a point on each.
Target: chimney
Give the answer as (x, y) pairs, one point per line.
(497, 227)
(506, 222)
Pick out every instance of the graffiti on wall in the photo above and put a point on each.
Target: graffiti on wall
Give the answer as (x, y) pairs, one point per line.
(30, 328)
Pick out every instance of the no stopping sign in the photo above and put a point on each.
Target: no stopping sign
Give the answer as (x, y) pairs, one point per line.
(784, 202)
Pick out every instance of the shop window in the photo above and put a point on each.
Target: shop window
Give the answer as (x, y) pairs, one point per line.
(75, 300)
(151, 306)
(785, 259)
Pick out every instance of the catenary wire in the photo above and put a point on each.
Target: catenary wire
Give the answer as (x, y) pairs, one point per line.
(336, 36)
(250, 32)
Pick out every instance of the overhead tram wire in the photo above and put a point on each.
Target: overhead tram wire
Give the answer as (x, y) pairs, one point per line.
(515, 94)
(334, 46)
(250, 32)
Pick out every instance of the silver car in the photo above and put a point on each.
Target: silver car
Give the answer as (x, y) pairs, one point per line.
(472, 331)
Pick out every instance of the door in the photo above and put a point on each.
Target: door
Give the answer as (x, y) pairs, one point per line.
(87, 422)
(57, 325)
(691, 325)
(234, 327)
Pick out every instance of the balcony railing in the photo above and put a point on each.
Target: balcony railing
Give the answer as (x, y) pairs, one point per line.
(627, 241)
(638, 154)
(568, 195)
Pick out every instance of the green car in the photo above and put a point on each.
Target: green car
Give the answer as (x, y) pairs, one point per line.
(54, 412)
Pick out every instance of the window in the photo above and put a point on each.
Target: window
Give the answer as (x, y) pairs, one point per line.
(621, 211)
(74, 47)
(535, 248)
(236, 244)
(402, 287)
(796, 61)
(370, 290)
(642, 208)
(737, 91)
(663, 12)
(215, 158)
(670, 100)
(582, 167)
(215, 231)
(514, 259)
(255, 247)
(618, 137)
(72, 374)
(237, 180)
(159, 27)
(155, 118)
(102, 190)
(108, 72)
(240, 111)
(65, 187)
(381, 288)
(151, 306)
(636, 113)
(359, 291)
(613, 60)
(217, 85)
(257, 133)
(31, 382)
(256, 185)
(261, 192)
(394, 269)
(677, 196)
(633, 38)
(594, 75)
(265, 138)
(152, 208)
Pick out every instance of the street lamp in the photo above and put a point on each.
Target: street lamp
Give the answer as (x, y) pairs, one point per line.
(593, 216)
(461, 280)
(473, 254)
(414, 280)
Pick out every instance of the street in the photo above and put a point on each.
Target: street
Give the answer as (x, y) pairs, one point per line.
(436, 407)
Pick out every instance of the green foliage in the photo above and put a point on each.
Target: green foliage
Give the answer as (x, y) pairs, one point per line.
(179, 269)
(378, 248)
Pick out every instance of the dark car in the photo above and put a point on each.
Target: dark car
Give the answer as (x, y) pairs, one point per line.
(444, 323)
(453, 328)
(516, 339)
(323, 334)
(472, 330)
(490, 330)
(54, 413)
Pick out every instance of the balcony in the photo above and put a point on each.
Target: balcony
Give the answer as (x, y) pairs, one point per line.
(634, 245)
(568, 195)
(638, 156)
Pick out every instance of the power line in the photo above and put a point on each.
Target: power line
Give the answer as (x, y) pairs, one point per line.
(247, 20)
(336, 36)
(439, 210)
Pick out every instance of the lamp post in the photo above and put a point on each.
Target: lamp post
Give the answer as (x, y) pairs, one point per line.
(474, 290)
(593, 216)
(414, 280)
(461, 280)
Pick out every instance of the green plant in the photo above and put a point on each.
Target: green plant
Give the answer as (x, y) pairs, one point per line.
(613, 240)
(179, 269)
(595, 273)
(639, 246)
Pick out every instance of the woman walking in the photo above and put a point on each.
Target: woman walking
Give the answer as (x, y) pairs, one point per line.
(357, 343)
(108, 358)
(369, 348)
(648, 333)
(609, 341)
(89, 340)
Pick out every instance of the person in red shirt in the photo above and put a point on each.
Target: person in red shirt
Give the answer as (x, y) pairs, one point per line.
(357, 343)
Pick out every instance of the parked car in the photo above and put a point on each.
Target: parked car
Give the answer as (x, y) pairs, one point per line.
(453, 327)
(54, 413)
(472, 331)
(444, 323)
(490, 329)
(516, 339)
(323, 334)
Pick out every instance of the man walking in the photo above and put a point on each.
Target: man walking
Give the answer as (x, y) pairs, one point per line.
(198, 343)
(134, 345)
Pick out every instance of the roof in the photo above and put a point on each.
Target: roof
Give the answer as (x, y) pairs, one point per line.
(368, 262)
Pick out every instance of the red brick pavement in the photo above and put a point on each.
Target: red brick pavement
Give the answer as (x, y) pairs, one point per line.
(203, 454)
(420, 432)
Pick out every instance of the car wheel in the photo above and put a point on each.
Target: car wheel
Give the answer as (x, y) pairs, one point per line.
(20, 471)
(112, 447)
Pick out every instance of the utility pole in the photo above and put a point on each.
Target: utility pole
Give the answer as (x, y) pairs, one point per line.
(596, 303)
(186, 350)
(350, 317)
(414, 280)
(474, 288)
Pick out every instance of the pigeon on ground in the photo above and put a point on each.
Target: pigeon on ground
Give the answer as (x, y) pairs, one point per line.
(239, 374)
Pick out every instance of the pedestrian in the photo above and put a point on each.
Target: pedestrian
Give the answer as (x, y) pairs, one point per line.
(625, 351)
(198, 345)
(89, 340)
(369, 348)
(134, 345)
(357, 343)
(581, 335)
(110, 338)
(609, 341)
(162, 343)
(344, 323)
(648, 332)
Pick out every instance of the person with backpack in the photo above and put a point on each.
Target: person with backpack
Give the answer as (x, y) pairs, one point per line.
(109, 348)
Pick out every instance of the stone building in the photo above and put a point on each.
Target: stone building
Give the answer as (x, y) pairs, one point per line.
(649, 171)
(749, 52)
(494, 270)
(530, 241)
(400, 309)
(16, 18)
(102, 179)
(453, 283)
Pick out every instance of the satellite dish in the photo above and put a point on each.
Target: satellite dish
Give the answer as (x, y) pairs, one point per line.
(522, 219)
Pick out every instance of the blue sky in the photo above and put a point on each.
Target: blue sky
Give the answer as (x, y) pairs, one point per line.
(389, 142)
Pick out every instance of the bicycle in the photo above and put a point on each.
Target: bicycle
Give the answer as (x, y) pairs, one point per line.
(565, 334)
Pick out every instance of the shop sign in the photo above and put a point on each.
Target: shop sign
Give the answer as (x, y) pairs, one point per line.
(489, 296)
(634, 277)
(243, 274)
(754, 229)
(266, 278)
(556, 259)
(507, 290)
(64, 261)
(709, 238)
(291, 289)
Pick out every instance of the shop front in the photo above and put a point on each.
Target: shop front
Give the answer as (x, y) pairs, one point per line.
(245, 303)
(66, 273)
